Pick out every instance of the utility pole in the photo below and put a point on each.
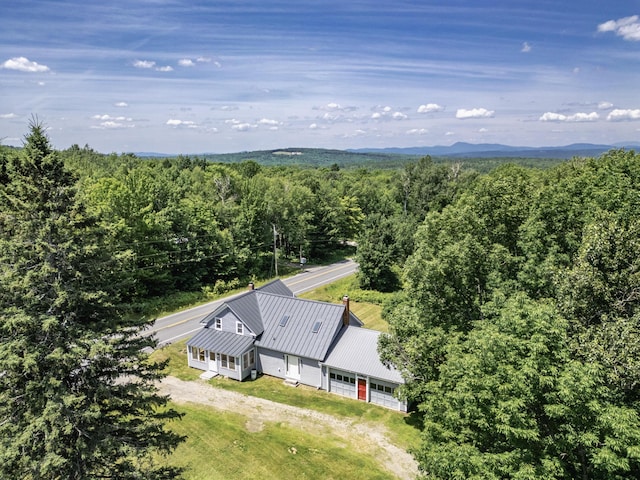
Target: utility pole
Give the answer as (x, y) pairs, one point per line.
(275, 251)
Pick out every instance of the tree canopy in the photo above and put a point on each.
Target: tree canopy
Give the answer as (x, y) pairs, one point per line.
(518, 329)
(77, 392)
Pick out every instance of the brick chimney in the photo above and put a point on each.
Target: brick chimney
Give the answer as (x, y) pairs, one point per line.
(345, 314)
(251, 286)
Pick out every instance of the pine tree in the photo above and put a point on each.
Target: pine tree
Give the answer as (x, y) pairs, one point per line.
(77, 394)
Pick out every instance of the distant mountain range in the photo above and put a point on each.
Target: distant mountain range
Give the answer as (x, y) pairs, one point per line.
(496, 150)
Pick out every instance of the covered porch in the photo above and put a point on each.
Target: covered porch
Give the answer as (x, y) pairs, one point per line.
(222, 353)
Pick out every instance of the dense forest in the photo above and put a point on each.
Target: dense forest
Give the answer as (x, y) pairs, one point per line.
(518, 328)
(515, 318)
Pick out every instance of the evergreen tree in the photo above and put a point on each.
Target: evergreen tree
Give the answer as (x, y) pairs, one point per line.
(77, 394)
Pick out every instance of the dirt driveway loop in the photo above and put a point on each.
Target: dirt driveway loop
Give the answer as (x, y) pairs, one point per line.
(370, 438)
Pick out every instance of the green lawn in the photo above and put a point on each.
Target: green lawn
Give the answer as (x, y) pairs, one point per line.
(366, 305)
(219, 446)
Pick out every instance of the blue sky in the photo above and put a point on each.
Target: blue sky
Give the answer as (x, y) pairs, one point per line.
(180, 76)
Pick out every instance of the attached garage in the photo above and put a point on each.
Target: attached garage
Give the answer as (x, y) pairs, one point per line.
(354, 369)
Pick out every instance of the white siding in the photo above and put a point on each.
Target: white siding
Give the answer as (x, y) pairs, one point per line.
(310, 373)
(271, 363)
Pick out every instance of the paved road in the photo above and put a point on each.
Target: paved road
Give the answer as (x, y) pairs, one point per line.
(184, 324)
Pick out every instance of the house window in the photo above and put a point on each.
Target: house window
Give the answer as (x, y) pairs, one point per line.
(227, 361)
(332, 375)
(239, 328)
(197, 354)
(212, 356)
(218, 324)
(249, 359)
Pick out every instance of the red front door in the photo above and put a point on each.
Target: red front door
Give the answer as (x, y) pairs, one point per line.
(362, 389)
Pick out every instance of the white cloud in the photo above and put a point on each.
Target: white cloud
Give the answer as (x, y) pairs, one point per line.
(483, 130)
(357, 133)
(331, 116)
(186, 62)
(313, 126)
(23, 64)
(335, 107)
(464, 114)
(112, 125)
(526, 47)
(271, 124)
(174, 122)
(243, 127)
(628, 27)
(430, 107)
(386, 112)
(203, 60)
(268, 121)
(8, 115)
(605, 105)
(109, 117)
(618, 115)
(448, 134)
(121, 104)
(576, 117)
(144, 64)
(417, 131)
(166, 68)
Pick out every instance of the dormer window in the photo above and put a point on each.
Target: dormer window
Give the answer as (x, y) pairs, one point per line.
(239, 328)
(218, 324)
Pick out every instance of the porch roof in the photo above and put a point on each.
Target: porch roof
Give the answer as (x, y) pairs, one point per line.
(228, 343)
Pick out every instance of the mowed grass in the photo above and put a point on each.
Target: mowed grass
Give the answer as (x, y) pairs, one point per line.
(366, 305)
(219, 446)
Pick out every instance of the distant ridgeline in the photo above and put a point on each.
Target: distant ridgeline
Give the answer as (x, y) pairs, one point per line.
(480, 157)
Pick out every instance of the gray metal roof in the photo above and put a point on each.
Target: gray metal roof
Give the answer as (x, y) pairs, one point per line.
(246, 308)
(278, 287)
(296, 337)
(356, 350)
(228, 343)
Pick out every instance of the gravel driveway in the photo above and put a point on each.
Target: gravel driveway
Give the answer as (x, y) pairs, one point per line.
(370, 438)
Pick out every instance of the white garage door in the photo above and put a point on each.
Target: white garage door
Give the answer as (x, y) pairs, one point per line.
(382, 394)
(342, 383)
